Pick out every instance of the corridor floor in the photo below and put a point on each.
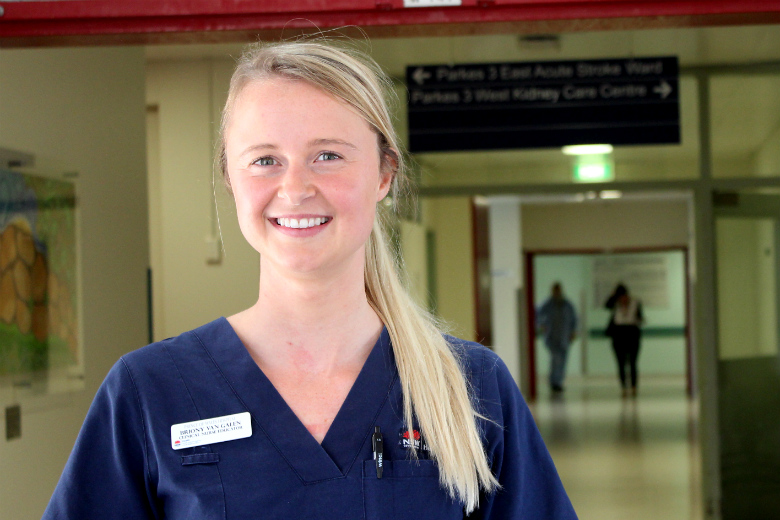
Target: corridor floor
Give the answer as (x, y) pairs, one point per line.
(624, 458)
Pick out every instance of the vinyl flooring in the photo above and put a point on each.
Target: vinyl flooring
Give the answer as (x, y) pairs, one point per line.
(624, 458)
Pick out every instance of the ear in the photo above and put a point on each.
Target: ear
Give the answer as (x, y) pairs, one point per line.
(385, 181)
(223, 169)
(387, 168)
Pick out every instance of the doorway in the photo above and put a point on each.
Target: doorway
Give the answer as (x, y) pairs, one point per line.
(657, 277)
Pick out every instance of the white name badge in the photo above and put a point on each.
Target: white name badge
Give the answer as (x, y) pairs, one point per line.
(209, 431)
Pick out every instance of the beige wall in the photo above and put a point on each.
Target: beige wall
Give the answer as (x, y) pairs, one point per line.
(188, 289)
(746, 261)
(747, 311)
(415, 256)
(606, 224)
(80, 110)
(450, 220)
(766, 162)
(514, 167)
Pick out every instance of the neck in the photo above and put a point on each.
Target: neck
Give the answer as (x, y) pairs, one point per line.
(325, 319)
(316, 302)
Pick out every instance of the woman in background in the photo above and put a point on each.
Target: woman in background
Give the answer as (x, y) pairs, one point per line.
(624, 329)
(334, 395)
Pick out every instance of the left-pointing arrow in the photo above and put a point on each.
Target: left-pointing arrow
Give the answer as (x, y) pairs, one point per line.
(419, 75)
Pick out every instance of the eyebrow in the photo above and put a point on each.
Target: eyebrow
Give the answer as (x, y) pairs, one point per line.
(333, 141)
(315, 142)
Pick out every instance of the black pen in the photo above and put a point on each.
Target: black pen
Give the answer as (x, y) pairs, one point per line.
(376, 442)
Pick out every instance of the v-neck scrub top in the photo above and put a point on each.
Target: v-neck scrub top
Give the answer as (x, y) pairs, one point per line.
(123, 465)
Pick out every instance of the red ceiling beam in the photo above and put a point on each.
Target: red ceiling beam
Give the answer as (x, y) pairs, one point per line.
(32, 21)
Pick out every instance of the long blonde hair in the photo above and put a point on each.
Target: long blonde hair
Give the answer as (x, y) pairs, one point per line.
(435, 390)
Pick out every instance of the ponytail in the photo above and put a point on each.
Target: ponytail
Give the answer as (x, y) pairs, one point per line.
(435, 391)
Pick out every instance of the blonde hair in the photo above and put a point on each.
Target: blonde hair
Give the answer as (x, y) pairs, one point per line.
(435, 390)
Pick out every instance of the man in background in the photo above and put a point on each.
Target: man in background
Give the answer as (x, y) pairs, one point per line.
(556, 320)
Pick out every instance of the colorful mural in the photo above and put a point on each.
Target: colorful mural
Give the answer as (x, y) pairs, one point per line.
(38, 320)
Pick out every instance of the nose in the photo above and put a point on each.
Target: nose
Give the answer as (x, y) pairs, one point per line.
(296, 185)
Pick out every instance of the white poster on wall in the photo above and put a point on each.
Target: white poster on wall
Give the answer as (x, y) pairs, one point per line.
(646, 275)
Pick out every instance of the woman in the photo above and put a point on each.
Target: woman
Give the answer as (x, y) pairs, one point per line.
(624, 329)
(333, 396)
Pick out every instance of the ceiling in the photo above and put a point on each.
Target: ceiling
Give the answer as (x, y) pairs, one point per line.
(693, 46)
(745, 107)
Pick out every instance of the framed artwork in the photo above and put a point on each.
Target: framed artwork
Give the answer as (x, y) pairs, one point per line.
(38, 276)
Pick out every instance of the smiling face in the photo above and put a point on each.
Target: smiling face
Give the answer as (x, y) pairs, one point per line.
(305, 174)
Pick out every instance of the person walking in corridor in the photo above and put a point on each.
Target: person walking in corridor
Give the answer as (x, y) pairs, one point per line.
(557, 321)
(624, 329)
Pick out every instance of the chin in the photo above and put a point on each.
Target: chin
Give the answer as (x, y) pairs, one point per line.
(299, 264)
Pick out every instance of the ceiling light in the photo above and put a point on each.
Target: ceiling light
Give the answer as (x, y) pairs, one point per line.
(587, 149)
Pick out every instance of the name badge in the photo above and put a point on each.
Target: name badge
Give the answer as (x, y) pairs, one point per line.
(209, 431)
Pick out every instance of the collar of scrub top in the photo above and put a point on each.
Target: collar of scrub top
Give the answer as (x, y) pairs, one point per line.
(351, 428)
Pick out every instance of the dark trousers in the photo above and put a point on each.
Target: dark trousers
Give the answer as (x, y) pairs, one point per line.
(625, 343)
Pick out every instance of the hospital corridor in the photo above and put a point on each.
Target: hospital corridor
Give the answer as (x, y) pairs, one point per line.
(558, 149)
(625, 458)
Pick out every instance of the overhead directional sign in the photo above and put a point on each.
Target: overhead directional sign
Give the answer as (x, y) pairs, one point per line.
(496, 106)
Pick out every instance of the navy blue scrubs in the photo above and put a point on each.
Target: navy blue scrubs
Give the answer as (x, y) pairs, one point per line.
(123, 465)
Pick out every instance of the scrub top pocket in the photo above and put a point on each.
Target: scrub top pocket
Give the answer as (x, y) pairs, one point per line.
(407, 489)
(192, 486)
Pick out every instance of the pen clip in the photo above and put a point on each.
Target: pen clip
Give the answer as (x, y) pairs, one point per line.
(378, 447)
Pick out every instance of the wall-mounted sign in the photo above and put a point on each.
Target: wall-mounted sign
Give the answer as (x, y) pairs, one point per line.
(645, 274)
(497, 106)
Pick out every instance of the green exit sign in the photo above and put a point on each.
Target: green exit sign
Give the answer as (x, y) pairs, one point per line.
(593, 168)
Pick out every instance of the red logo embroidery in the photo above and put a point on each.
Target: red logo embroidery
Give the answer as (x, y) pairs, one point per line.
(413, 439)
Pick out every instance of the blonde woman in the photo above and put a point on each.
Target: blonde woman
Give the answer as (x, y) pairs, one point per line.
(333, 396)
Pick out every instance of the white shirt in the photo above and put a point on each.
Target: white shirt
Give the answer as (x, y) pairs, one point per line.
(628, 315)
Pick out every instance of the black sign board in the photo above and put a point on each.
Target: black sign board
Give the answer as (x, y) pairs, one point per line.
(497, 106)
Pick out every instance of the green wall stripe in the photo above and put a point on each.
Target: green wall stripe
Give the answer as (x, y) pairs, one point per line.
(647, 332)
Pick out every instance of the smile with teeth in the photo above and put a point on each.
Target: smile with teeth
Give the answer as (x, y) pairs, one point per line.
(302, 223)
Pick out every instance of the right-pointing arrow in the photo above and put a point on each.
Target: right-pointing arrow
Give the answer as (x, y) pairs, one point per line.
(664, 89)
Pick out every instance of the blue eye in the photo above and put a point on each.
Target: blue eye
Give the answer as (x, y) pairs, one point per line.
(328, 156)
(264, 161)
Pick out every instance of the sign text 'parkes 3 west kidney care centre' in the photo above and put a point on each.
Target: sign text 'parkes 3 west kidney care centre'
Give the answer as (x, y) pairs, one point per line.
(495, 106)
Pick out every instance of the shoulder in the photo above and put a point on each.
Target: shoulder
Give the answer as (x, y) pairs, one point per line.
(154, 353)
(496, 395)
(486, 372)
(159, 364)
(475, 356)
(472, 355)
(140, 381)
